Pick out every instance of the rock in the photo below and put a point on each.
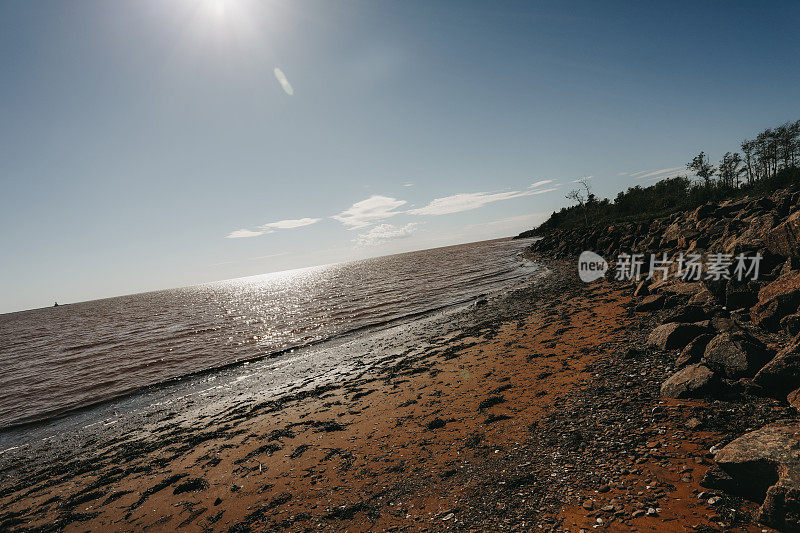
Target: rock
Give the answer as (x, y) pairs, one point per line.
(588, 505)
(752, 237)
(703, 212)
(717, 478)
(687, 313)
(651, 303)
(777, 300)
(765, 465)
(674, 335)
(690, 382)
(717, 288)
(782, 373)
(436, 423)
(702, 298)
(735, 355)
(784, 239)
(642, 289)
(693, 423)
(721, 324)
(694, 351)
(791, 324)
(740, 295)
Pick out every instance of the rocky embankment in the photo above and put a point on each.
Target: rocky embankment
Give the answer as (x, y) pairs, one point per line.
(731, 339)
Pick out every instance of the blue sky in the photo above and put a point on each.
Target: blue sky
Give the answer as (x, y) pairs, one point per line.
(149, 144)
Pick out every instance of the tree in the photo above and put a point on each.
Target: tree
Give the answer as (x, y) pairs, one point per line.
(748, 147)
(582, 197)
(700, 166)
(729, 170)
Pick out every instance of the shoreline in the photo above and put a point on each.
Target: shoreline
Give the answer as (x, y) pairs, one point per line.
(504, 421)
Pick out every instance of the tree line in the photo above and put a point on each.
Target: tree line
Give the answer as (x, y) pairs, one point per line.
(767, 162)
(771, 151)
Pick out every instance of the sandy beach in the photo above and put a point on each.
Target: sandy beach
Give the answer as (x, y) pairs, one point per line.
(536, 410)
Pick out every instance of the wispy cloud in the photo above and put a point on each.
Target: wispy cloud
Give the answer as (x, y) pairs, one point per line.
(462, 202)
(385, 232)
(366, 212)
(284, 81)
(457, 203)
(378, 208)
(409, 184)
(645, 174)
(582, 179)
(271, 227)
(540, 191)
(243, 234)
(288, 224)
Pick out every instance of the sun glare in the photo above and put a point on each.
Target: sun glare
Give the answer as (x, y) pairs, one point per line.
(218, 7)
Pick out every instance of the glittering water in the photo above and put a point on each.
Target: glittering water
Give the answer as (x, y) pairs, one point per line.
(63, 358)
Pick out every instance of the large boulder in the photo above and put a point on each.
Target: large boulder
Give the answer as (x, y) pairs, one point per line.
(703, 298)
(736, 355)
(674, 335)
(650, 303)
(687, 313)
(791, 324)
(784, 239)
(741, 295)
(765, 465)
(777, 300)
(782, 374)
(752, 236)
(694, 350)
(692, 381)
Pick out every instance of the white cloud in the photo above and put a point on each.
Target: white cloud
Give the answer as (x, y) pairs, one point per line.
(463, 202)
(366, 212)
(284, 81)
(243, 233)
(409, 184)
(540, 191)
(645, 174)
(539, 183)
(457, 203)
(582, 179)
(289, 224)
(385, 232)
(668, 175)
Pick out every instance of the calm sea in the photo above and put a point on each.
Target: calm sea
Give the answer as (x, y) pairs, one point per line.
(58, 359)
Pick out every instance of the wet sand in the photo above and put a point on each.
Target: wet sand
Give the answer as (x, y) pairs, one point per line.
(538, 408)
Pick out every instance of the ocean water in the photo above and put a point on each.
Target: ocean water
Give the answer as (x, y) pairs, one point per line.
(58, 359)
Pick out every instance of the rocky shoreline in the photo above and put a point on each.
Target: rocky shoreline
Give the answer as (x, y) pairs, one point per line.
(553, 407)
(730, 339)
